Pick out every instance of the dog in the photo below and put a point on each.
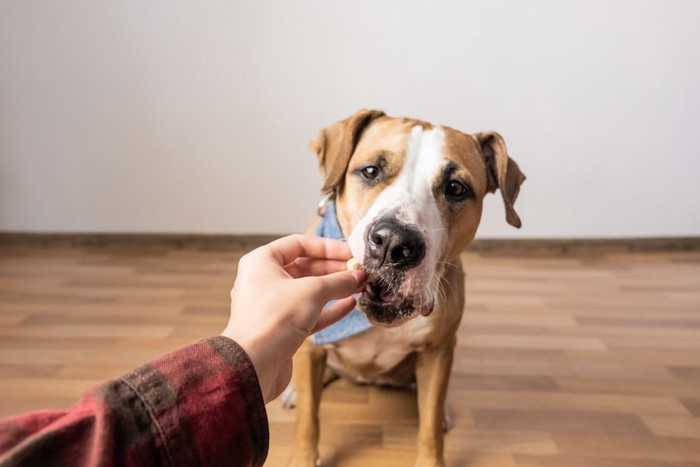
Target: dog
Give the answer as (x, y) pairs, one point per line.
(407, 195)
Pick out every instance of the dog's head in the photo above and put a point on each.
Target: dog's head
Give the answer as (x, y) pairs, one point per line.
(409, 198)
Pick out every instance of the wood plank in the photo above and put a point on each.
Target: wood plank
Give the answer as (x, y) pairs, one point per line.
(563, 360)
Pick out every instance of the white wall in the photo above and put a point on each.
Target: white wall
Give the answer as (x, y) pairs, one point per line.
(180, 116)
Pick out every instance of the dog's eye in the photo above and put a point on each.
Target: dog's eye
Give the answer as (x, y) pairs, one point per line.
(370, 172)
(457, 190)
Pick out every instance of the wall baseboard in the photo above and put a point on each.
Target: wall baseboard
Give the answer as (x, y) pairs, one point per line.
(584, 246)
(196, 241)
(246, 242)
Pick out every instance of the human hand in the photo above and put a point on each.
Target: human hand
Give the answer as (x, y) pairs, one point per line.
(278, 297)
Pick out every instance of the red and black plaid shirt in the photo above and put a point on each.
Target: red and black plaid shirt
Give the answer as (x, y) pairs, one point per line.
(198, 406)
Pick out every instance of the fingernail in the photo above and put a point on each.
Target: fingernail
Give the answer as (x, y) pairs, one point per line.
(360, 276)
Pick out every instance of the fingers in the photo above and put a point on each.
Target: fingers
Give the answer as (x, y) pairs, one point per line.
(303, 267)
(338, 284)
(334, 313)
(287, 249)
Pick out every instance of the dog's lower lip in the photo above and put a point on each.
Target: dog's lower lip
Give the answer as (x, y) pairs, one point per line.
(379, 292)
(389, 297)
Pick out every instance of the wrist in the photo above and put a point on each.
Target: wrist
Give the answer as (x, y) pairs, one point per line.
(255, 356)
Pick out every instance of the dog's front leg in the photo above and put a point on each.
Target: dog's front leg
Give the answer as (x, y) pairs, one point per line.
(432, 375)
(309, 365)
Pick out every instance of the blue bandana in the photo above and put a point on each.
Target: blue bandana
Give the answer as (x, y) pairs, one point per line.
(356, 321)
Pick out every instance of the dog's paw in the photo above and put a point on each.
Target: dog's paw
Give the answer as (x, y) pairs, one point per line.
(432, 462)
(446, 423)
(289, 397)
(304, 461)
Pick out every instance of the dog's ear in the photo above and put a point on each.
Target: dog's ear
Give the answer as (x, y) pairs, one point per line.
(334, 146)
(502, 172)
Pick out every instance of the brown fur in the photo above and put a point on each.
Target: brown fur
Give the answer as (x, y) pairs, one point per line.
(423, 348)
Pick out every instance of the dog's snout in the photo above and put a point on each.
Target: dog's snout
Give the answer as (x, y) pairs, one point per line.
(393, 244)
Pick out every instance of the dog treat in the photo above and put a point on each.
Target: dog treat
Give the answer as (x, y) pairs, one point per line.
(353, 265)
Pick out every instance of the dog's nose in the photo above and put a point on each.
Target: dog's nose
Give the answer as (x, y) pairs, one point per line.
(391, 243)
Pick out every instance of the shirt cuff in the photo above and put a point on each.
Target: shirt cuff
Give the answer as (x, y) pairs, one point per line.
(206, 404)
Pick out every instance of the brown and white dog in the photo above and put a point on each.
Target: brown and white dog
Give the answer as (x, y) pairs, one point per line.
(408, 197)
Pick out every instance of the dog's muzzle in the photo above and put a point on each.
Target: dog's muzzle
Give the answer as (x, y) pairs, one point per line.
(392, 250)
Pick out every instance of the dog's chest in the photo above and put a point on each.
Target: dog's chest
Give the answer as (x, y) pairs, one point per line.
(384, 356)
(387, 356)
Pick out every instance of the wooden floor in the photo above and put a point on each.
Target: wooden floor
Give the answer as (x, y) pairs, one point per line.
(564, 361)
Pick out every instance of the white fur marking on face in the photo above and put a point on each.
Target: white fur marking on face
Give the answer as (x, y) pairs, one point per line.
(410, 199)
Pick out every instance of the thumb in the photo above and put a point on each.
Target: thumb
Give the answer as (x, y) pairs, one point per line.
(340, 284)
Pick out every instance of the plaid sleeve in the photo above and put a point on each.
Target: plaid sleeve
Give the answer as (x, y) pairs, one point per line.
(198, 406)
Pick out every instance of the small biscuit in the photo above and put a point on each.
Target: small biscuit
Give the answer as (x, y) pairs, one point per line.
(353, 265)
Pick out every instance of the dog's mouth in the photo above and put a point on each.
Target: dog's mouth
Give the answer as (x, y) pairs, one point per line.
(385, 306)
